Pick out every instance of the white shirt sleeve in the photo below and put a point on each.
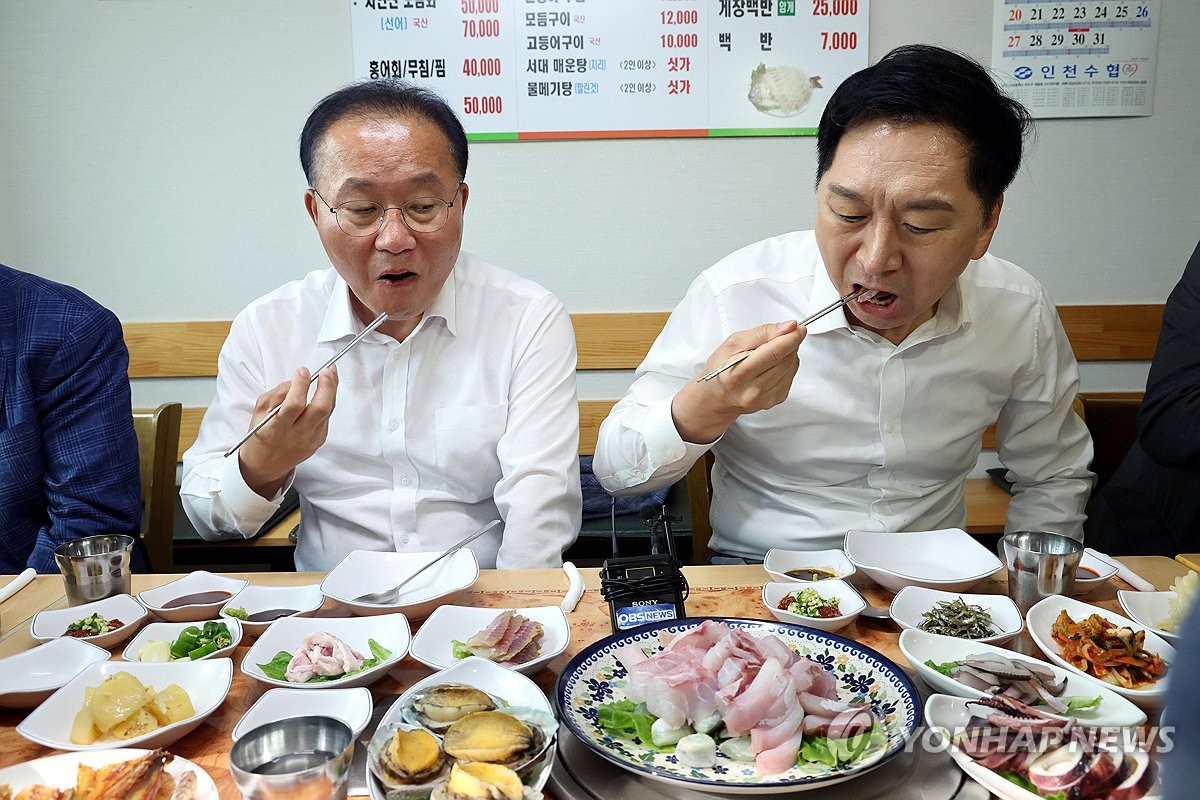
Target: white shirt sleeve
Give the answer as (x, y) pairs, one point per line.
(215, 496)
(639, 449)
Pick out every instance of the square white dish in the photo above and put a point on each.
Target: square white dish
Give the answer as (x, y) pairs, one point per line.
(850, 602)
(287, 634)
(948, 559)
(352, 706)
(918, 647)
(1149, 609)
(49, 625)
(910, 604)
(1040, 621)
(33, 675)
(778, 562)
(206, 682)
(433, 643)
(364, 571)
(307, 600)
(192, 583)
(170, 631)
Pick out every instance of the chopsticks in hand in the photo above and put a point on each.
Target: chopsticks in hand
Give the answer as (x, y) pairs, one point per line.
(740, 357)
(375, 323)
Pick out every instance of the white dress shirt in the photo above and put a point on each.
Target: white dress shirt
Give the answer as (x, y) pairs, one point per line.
(873, 436)
(472, 417)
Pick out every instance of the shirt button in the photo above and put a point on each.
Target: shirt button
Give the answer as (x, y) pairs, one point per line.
(404, 481)
(393, 425)
(890, 427)
(404, 539)
(396, 356)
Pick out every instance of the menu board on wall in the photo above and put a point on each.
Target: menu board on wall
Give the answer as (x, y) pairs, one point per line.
(1077, 59)
(565, 69)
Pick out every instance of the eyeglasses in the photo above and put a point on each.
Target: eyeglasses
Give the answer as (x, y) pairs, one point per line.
(364, 218)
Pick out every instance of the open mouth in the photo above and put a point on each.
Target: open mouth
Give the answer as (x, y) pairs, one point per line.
(875, 297)
(397, 277)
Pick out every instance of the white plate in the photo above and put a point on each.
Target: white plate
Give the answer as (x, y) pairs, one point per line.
(505, 684)
(1104, 569)
(950, 714)
(433, 643)
(911, 603)
(947, 559)
(49, 625)
(169, 632)
(62, 770)
(595, 675)
(365, 571)
(918, 647)
(206, 682)
(1040, 620)
(33, 675)
(287, 634)
(850, 602)
(1149, 609)
(778, 562)
(351, 706)
(305, 599)
(192, 583)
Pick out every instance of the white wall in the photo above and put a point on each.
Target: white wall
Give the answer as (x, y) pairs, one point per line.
(148, 156)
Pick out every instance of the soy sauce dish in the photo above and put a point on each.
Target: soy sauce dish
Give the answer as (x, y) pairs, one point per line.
(196, 596)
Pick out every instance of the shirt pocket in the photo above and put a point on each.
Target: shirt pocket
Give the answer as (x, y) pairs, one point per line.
(466, 439)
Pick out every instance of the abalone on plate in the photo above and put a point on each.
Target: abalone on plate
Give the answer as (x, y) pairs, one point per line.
(516, 737)
(440, 706)
(480, 781)
(405, 756)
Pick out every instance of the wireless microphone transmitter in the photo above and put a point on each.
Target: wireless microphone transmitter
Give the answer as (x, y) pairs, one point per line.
(646, 588)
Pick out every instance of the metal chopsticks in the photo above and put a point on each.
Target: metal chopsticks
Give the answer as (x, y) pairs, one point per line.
(375, 323)
(740, 357)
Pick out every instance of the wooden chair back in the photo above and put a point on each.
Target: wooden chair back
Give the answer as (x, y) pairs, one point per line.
(158, 444)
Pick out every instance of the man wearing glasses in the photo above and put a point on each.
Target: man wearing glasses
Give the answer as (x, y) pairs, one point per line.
(459, 409)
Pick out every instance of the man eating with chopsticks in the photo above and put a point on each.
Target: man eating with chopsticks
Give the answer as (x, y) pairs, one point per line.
(458, 409)
(870, 417)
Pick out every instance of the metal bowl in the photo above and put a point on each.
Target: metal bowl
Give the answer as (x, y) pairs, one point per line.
(302, 758)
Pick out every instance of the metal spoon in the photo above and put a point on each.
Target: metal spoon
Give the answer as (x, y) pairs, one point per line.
(389, 596)
(740, 357)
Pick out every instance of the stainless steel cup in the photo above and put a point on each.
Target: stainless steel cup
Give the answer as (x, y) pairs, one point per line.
(95, 567)
(1040, 564)
(302, 758)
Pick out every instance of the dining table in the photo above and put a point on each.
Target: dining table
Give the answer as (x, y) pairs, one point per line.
(714, 591)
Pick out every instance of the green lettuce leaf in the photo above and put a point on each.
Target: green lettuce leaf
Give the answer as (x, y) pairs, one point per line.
(624, 718)
(943, 668)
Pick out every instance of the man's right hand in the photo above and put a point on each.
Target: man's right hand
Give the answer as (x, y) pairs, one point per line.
(269, 456)
(702, 411)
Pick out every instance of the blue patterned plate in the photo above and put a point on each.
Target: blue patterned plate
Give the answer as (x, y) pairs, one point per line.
(595, 677)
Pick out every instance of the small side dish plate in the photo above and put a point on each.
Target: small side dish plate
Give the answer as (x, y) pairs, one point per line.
(351, 706)
(49, 625)
(33, 675)
(1149, 609)
(433, 643)
(191, 585)
(1040, 621)
(364, 571)
(912, 602)
(778, 562)
(850, 602)
(170, 631)
(305, 600)
(390, 631)
(206, 683)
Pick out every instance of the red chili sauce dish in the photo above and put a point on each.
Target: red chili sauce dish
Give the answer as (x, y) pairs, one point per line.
(198, 599)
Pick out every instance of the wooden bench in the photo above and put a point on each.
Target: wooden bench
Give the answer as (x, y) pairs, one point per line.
(619, 341)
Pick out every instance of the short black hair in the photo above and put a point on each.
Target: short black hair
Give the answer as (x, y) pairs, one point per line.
(383, 98)
(920, 83)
